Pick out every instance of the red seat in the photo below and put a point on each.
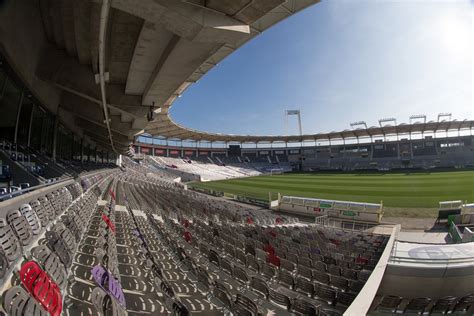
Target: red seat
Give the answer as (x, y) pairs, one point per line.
(273, 259)
(187, 236)
(109, 223)
(41, 287)
(269, 249)
(112, 194)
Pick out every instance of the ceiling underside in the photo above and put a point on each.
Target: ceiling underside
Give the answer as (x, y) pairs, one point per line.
(154, 49)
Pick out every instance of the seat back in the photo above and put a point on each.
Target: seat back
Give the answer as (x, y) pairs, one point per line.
(389, 302)
(303, 307)
(244, 306)
(464, 303)
(417, 305)
(304, 286)
(279, 298)
(41, 287)
(443, 304)
(260, 286)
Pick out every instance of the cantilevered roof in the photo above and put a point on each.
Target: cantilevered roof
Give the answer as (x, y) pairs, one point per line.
(144, 53)
(164, 126)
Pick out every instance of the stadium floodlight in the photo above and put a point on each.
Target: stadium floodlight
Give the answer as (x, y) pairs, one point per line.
(386, 120)
(417, 116)
(293, 112)
(359, 123)
(440, 115)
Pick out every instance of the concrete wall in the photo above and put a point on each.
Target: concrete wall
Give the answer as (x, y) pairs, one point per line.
(22, 41)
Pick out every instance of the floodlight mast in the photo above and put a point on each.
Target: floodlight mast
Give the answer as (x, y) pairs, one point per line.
(440, 115)
(359, 123)
(418, 116)
(293, 112)
(386, 120)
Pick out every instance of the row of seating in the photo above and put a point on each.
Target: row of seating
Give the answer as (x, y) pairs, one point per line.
(57, 219)
(392, 304)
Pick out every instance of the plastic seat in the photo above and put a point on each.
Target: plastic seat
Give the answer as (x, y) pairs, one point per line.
(226, 266)
(417, 305)
(221, 293)
(304, 308)
(40, 213)
(108, 282)
(339, 282)
(279, 298)
(287, 265)
(304, 271)
(51, 264)
(464, 304)
(389, 303)
(27, 211)
(326, 293)
(321, 277)
(260, 286)
(105, 304)
(252, 263)
(9, 242)
(268, 271)
(16, 301)
(244, 306)
(345, 298)
(213, 257)
(20, 227)
(240, 275)
(41, 287)
(443, 305)
(304, 286)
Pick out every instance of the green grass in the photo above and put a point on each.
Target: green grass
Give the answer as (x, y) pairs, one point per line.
(398, 190)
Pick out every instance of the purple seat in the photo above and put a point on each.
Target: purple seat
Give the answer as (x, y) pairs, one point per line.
(109, 283)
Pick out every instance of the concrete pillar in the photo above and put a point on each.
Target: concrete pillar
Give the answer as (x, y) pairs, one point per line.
(31, 124)
(55, 136)
(18, 117)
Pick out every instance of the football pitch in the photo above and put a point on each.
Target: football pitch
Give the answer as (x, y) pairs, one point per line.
(396, 190)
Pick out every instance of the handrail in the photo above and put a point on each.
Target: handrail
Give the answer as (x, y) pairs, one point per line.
(363, 301)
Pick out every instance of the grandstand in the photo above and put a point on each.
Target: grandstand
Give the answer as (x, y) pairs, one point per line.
(96, 217)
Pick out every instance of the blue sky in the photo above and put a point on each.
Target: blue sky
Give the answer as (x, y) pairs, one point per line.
(339, 62)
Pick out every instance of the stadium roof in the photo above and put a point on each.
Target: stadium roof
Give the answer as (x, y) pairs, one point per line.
(102, 66)
(165, 127)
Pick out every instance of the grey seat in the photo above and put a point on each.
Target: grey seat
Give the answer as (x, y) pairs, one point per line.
(304, 308)
(51, 264)
(279, 298)
(20, 227)
(9, 242)
(260, 286)
(244, 306)
(16, 301)
(27, 211)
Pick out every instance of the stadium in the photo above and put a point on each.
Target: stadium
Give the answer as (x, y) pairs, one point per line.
(108, 206)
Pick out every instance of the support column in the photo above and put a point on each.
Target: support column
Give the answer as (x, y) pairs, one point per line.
(31, 124)
(55, 136)
(18, 117)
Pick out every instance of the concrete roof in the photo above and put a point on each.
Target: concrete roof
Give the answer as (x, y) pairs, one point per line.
(164, 126)
(154, 49)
